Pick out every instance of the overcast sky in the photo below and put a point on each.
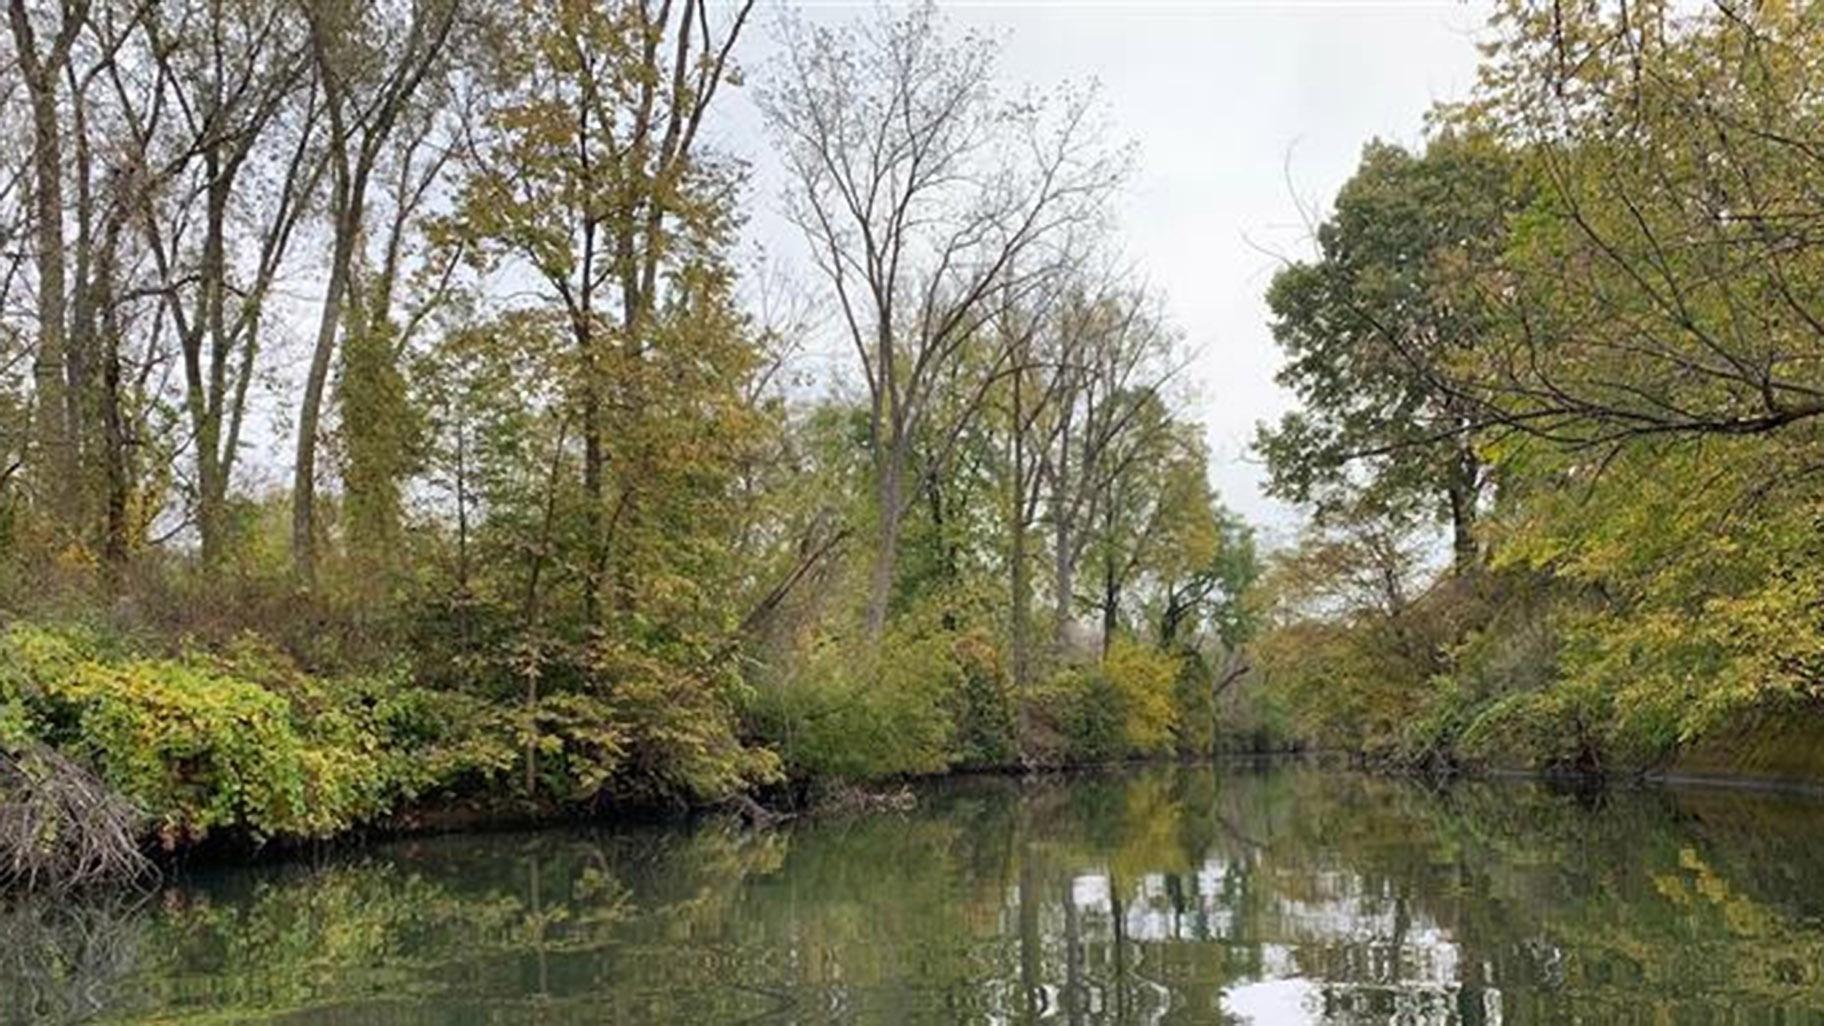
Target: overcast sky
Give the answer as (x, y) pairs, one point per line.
(1240, 111)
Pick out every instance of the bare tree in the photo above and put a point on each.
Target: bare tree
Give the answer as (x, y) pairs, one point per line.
(928, 199)
(220, 104)
(42, 54)
(1119, 358)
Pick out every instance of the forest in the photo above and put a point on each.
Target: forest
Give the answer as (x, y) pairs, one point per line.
(395, 430)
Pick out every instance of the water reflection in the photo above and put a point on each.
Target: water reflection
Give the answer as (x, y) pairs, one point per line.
(1289, 895)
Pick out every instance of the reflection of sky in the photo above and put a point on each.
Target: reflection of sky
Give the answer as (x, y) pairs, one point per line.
(1272, 1001)
(1329, 955)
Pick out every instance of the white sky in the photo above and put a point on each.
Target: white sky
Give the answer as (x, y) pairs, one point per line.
(1241, 112)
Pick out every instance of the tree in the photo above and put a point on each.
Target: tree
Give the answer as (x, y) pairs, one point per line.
(1366, 325)
(1110, 417)
(371, 62)
(1662, 281)
(587, 172)
(927, 199)
(221, 107)
(42, 55)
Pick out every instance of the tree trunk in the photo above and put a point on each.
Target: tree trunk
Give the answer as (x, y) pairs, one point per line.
(1465, 553)
(1064, 564)
(57, 467)
(117, 471)
(347, 205)
(1111, 601)
(1463, 489)
(594, 490)
(1019, 566)
(205, 399)
(886, 549)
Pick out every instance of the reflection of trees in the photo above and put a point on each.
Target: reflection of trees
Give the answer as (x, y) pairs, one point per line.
(1158, 897)
(66, 961)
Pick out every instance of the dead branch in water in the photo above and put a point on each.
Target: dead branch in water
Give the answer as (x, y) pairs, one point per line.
(61, 827)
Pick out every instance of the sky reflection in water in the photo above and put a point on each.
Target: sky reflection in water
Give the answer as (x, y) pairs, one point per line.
(1185, 895)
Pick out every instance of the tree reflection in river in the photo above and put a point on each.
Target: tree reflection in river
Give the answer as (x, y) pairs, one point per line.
(1289, 895)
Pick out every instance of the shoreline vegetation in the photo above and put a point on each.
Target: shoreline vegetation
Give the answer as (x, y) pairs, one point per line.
(549, 495)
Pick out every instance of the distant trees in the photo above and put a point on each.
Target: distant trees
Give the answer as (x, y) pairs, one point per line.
(930, 202)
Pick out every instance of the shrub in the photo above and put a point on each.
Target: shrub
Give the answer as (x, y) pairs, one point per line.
(984, 706)
(1194, 727)
(860, 715)
(672, 715)
(1089, 713)
(1142, 679)
(240, 741)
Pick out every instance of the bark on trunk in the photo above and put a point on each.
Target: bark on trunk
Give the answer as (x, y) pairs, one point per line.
(51, 418)
(1020, 565)
(347, 204)
(304, 473)
(1463, 491)
(886, 548)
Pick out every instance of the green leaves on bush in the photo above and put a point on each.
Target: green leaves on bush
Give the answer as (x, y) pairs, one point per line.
(856, 715)
(241, 742)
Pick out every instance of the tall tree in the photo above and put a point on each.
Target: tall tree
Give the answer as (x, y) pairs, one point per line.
(1116, 357)
(42, 46)
(588, 173)
(1366, 325)
(372, 62)
(926, 197)
(221, 102)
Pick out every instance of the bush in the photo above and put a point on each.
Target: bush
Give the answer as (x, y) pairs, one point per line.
(1121, 709)
(672, 717)
(857, 715)
(240, 741)
(1143, 680)
(1083, 704)
(1194, 728)
(985, 712)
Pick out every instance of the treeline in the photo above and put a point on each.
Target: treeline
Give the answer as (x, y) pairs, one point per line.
(388, 419)
(1581, 329)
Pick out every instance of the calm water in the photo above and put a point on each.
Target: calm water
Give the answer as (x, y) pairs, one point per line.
(1221, 895)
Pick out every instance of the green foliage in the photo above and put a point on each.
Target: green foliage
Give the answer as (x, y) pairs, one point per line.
(1620, 321)
(851, 713)
(985, 710)
(239, 742)
(1194, 730)
(1122, 708)
(1079, 718)
(1141, 681)
(1361, 324)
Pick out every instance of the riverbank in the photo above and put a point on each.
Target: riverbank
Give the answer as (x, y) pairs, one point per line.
(235, 747)
(230, 750)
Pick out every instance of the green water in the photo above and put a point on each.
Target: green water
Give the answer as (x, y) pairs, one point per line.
(1287, 895)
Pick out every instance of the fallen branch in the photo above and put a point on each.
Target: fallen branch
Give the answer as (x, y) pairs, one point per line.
(61, 827)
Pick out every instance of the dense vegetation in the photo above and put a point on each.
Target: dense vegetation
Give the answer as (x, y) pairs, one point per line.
(1581, 326)
(392, 422)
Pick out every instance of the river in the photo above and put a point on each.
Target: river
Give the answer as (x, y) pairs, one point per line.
(1227, 894)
